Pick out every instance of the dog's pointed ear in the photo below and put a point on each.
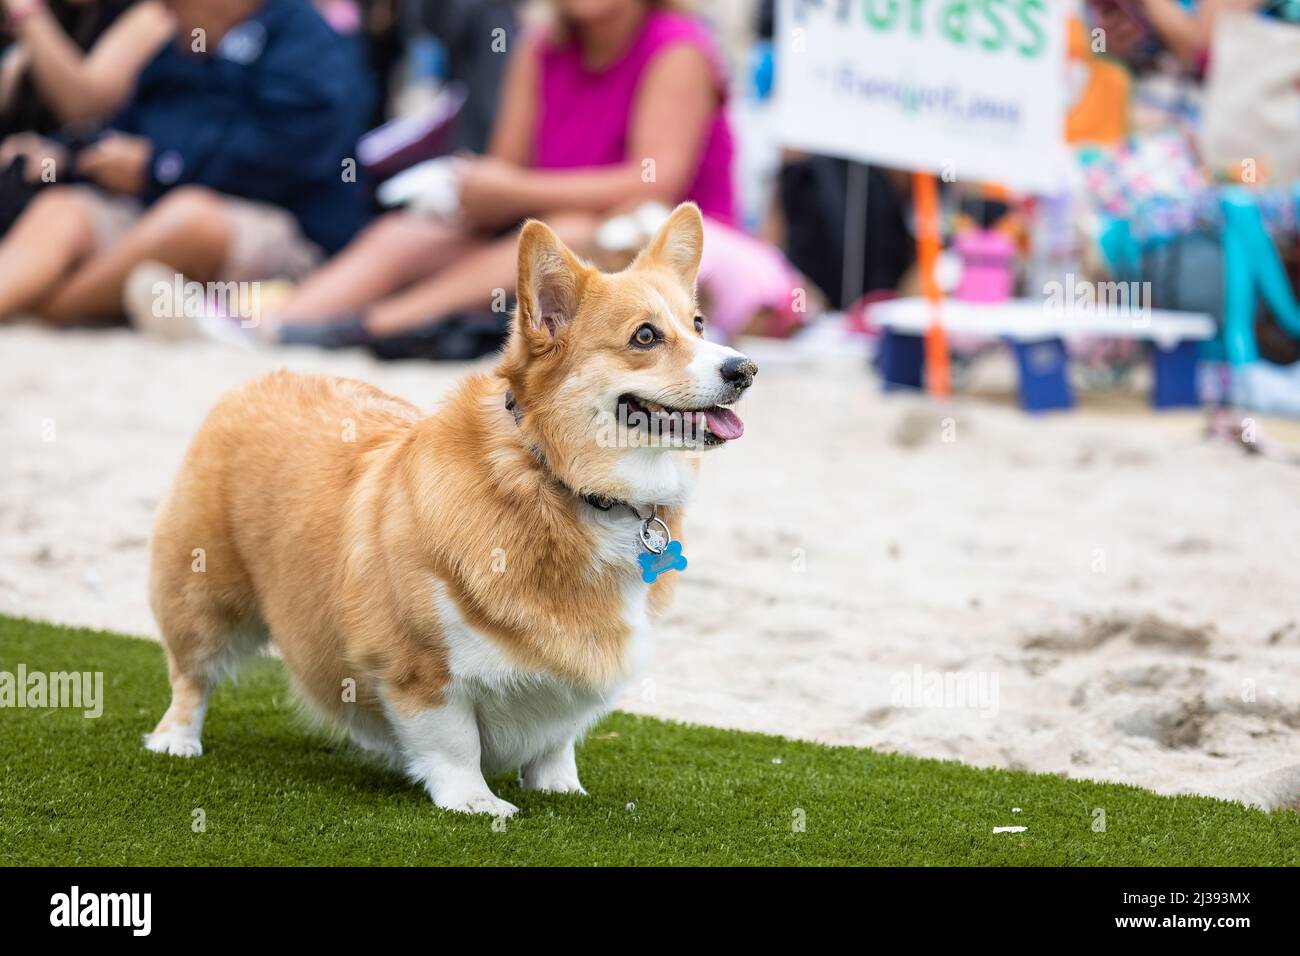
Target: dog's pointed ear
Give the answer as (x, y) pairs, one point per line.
(678, 244)
(550, 280)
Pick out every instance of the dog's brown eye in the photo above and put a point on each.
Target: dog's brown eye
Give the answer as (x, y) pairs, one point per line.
(699, 324)
(645, 336)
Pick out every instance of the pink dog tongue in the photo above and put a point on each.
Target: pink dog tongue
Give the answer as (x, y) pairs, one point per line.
(724, 423)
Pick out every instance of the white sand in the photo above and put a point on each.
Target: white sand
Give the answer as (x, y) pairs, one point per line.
(1131, 587)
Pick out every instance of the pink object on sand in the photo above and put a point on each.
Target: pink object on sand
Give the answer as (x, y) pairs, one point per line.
(743, 275)
(988, 258)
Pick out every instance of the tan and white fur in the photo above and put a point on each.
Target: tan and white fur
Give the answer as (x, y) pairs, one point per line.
(440, 585)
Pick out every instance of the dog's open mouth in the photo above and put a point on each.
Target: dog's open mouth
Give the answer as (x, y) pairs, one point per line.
(710, 426)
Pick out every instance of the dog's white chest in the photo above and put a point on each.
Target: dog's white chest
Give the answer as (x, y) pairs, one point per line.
(521, 713)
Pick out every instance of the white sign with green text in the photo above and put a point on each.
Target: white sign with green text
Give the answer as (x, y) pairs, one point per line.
(971, 90)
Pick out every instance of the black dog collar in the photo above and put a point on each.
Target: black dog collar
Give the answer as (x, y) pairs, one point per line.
(655, 540)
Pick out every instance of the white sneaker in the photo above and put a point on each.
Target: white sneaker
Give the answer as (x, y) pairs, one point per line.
(627, 233)
(161, 303)
(153, 299)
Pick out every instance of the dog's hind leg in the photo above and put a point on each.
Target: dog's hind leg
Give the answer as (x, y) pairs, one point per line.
(209, 623)
(180, 731)
(195, 665)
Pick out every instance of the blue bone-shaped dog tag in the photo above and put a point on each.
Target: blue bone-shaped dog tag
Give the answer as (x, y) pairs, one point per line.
(653, 565)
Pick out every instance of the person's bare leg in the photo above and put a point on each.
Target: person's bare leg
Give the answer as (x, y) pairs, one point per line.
(474, 281)
(469, 282)
(186, 230)
(389, 254)
(54, 232)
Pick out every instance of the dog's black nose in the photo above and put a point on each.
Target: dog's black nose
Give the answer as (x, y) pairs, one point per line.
(739, 371)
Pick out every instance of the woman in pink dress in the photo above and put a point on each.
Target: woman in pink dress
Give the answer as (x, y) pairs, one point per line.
(619, 103)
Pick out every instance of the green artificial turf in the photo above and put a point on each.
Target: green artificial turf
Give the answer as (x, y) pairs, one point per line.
(274, 791)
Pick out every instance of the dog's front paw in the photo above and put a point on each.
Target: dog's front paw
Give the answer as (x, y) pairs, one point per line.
(553, 772)
(476, 803)
(177, 741)
(556, 786)
(550, 780)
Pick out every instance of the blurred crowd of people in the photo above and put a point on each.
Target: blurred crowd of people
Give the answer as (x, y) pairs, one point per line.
(365, 164)
(1195, 192)
(225, 141)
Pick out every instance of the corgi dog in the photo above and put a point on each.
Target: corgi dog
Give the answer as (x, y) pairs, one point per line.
(465, 592)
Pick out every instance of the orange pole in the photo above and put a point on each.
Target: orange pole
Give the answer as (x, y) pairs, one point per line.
(925, 199)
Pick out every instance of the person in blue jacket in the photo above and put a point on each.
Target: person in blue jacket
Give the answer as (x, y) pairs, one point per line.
(232, 162)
